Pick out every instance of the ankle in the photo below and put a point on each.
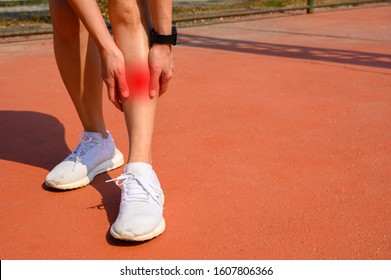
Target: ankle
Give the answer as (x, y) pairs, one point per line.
(104, 133)
(144, 159)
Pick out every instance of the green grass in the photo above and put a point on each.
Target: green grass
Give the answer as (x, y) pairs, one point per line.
(231, 6)
(211, 6)
(275, 4)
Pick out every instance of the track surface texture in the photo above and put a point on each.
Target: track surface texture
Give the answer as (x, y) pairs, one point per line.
(273, 142)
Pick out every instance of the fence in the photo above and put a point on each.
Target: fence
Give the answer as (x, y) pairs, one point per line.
(29, 17)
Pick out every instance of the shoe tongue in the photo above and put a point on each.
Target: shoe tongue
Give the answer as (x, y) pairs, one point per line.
(96, 136)
(141, 169)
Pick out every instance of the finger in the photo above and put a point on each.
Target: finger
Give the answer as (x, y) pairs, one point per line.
(164, 84)
(154, 81)
(165, 80)
(122, 84)
(112, 92)
(116, 103)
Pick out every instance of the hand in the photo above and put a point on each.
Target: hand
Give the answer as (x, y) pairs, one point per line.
(114, 75)
(161, 65)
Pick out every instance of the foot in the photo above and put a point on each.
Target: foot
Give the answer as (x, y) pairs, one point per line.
(93, 155)
(140, 215)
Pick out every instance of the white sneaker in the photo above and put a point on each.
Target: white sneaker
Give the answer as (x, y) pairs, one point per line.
(93, 155)
(141, 210)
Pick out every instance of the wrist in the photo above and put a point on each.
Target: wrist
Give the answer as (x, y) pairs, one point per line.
(107, 47)
(163, 30)
(159, 38)
(162, 47)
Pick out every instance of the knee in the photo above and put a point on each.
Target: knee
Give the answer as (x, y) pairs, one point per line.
(66, 24)
(124, 12)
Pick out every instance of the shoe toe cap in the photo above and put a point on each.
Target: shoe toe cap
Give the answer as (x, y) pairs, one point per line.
(65, 173)
(138, 229)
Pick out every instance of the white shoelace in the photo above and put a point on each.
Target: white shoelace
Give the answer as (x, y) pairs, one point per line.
(136, 192)
(85, 145)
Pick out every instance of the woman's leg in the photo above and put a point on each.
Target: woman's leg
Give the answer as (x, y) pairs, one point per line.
(79, 64)
(141, 209)
(131, 22)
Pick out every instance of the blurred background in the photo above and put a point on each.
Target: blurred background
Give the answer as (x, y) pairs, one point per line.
(31, 17)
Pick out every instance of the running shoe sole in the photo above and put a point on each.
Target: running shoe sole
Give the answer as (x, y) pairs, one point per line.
(115, 162)
(156, 232)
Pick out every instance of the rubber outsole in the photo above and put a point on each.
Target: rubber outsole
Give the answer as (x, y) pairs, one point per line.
(156, 232)
(115, 162)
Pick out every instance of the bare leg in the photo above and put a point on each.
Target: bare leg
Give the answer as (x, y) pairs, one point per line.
(131, 21)
(79, 64)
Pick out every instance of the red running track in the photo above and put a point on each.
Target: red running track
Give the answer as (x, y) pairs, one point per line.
(274, 142)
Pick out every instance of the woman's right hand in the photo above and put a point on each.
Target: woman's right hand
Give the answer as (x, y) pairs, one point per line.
(114, 75)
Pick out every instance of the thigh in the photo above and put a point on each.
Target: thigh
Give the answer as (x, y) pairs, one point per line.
(130, 12)
(64, 20)
(131, 24)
